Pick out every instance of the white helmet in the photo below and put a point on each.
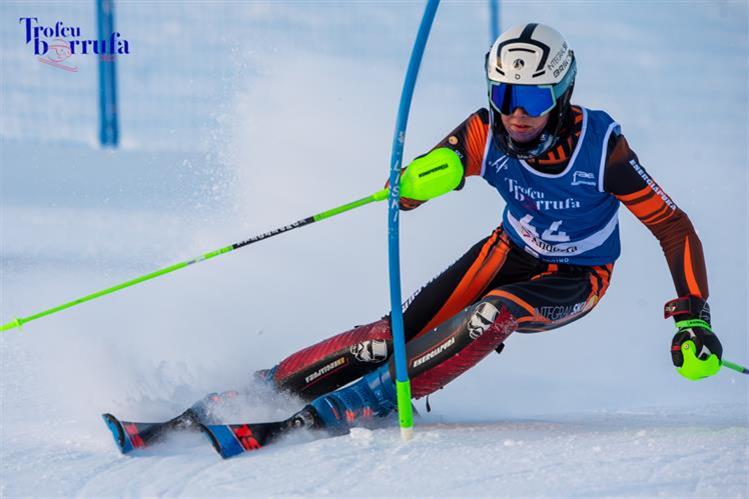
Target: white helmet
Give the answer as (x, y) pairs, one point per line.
(530, 66)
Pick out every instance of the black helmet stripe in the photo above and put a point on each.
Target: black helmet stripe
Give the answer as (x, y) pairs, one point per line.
(525, 36)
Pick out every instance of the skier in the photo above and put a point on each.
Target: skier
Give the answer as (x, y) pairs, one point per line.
(563, 171)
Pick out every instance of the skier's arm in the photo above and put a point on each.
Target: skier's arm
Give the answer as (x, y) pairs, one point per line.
(626, 179)
(468, 141)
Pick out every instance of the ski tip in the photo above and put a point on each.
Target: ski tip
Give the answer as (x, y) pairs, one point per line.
(118, 432)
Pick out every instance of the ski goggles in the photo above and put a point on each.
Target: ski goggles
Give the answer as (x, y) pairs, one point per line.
(536, 100)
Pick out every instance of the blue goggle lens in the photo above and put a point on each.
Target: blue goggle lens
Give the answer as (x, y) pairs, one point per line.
(536, 100)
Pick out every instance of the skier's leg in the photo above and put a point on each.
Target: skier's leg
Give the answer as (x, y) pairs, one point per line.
(489, 263)
(550, 299)
(334, 362)
(337, 361)
(434, 359)
(558, 296)
(341, 359)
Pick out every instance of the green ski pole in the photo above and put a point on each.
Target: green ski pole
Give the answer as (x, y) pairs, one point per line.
(426, 178)
(735, 367)
(377, 196)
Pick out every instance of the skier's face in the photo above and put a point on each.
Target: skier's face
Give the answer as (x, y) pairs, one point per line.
(522, 127)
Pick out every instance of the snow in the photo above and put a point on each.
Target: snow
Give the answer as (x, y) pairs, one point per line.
(647, 453)
(593, 410)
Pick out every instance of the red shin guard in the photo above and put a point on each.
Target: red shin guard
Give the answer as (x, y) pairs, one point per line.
(336, 361)
(443, 354)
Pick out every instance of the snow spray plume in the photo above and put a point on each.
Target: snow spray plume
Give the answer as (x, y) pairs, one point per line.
(437, 173)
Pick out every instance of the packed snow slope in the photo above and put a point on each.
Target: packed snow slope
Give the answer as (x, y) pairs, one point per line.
(283, 110)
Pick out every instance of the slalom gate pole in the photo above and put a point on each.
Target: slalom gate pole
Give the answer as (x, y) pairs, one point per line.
(377, 196)
(402, 383)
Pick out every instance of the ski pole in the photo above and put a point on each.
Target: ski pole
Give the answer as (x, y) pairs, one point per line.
(427, 177)
(377, 196)
(735, 367)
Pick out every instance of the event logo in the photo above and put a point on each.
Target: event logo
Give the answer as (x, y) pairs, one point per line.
(500, 164)
(583, 178)
(56, 45)
(529, 195)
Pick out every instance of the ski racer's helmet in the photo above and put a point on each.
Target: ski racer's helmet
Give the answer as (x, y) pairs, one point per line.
(530, 66)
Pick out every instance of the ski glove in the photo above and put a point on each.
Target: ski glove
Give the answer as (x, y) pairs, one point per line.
(434, 174)
(406, 204)
(695, 349)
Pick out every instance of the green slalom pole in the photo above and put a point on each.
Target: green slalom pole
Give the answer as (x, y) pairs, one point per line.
(377, 196)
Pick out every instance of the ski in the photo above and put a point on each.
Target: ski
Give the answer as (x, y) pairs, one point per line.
(129, 435)
(230, 440)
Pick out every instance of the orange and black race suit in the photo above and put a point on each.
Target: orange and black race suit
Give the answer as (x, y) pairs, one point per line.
(494, 264)
(496, 278)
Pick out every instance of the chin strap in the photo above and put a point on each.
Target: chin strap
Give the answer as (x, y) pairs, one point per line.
(541, 144)
(547, 140)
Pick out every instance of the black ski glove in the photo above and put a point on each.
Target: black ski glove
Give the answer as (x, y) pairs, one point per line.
(702, 358)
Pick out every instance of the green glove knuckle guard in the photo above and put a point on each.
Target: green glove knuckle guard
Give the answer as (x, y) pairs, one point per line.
(694, 368)
(432, 175)
(691, 339)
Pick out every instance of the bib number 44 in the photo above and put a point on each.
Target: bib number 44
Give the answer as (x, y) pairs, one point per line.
(551, 234)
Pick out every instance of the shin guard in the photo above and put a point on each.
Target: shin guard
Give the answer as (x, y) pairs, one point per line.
(334, 362)
(434, 359)
(441, 355)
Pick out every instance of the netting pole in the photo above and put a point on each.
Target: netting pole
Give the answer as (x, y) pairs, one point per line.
(493, 20)
(402, 383)
(108, 123)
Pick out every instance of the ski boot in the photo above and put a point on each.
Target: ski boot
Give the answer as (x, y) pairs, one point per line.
(372, 395)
